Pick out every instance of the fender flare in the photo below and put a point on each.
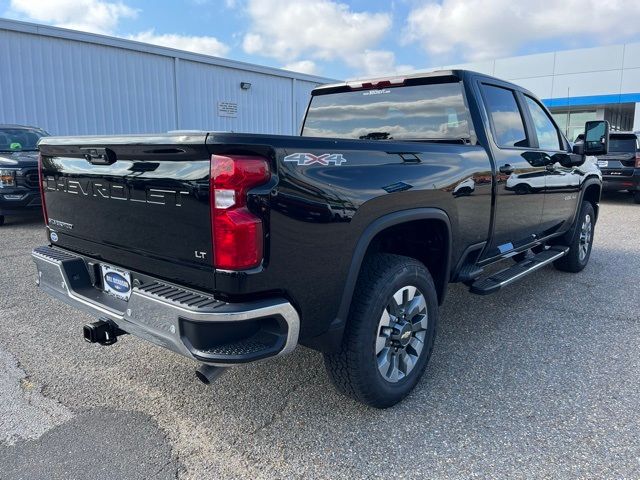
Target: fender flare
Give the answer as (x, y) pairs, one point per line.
(380, 224)
(591, 180)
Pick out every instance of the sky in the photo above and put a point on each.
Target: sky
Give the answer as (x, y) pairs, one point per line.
(347, 39)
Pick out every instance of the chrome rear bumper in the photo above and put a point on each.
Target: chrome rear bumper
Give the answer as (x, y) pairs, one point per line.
(188, 322)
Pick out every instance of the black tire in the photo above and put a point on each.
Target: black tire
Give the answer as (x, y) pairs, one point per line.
(636, 197)
(580, 243)
(355, 369)
(1, 220)
(522, 189)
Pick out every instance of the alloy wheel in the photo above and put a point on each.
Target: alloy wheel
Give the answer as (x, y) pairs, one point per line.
(401, 334)
(586, 231)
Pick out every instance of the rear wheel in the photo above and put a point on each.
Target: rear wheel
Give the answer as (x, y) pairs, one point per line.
(389, 334)
(636, 197)
(1, 220)
(580, 247)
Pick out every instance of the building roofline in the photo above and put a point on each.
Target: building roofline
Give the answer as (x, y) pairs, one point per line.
(106, 40)
(18, 125)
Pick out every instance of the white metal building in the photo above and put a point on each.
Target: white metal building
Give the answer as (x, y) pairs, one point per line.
(578, 85)
(76, 83)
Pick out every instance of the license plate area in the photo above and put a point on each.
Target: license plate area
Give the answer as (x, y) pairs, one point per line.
(116, 282)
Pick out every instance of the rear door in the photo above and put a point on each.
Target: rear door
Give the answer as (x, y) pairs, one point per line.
(561, 184)
(520, 178)
(140, 203)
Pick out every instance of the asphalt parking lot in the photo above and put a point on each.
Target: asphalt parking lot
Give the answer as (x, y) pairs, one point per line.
(539, 380)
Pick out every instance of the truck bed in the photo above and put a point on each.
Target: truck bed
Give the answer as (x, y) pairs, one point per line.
(149, 211)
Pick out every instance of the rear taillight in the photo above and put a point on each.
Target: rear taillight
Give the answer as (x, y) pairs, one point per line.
(237, 233)
(638, 160)
(41, 184)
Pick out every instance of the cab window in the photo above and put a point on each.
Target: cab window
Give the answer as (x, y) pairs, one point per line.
(506, 119)
(548, 138)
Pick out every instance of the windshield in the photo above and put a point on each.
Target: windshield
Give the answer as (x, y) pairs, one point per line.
(15, 139)
(418, 112)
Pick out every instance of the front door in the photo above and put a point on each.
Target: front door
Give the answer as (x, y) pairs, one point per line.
(562, 184)
(520, 176)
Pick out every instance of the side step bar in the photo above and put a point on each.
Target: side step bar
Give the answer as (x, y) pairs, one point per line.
(496, 281)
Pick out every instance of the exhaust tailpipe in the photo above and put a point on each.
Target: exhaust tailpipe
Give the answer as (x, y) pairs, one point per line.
(208, 374)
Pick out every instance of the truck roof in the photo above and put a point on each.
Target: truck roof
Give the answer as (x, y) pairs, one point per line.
(392, 80)
(379, 82)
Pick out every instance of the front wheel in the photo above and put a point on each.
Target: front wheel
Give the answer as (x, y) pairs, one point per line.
(636, 197)
(1, 220)
(389, 334)
(580, 247)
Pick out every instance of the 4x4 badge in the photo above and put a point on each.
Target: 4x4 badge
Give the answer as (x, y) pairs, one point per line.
(311, 159)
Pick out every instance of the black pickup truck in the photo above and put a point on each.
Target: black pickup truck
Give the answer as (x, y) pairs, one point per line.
(231, 248)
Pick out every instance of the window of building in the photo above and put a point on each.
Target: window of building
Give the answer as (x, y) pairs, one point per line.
(506, 119)
(572, 123)
(577, 121)
(562, 120)
(545, 129)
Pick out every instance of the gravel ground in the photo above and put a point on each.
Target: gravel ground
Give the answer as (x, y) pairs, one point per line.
(539, 380)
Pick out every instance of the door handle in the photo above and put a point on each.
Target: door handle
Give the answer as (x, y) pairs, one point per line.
(508, 169)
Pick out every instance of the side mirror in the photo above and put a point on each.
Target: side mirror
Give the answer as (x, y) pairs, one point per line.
(596, 137)
(578, 148)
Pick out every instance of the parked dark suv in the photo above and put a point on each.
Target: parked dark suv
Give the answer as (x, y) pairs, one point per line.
(621, 166)
(19, 185)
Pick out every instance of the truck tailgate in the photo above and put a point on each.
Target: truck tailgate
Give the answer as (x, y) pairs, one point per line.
(137, 202)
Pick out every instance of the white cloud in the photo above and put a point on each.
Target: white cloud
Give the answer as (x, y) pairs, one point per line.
(377, 62)
(100, 16)
(206, 45)
(88, 15)
(323, 30)
(481, 29)
(303, 66)
(284, 29)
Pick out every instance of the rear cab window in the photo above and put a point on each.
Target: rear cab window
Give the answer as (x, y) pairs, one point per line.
(435, 111)
(623, 143)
